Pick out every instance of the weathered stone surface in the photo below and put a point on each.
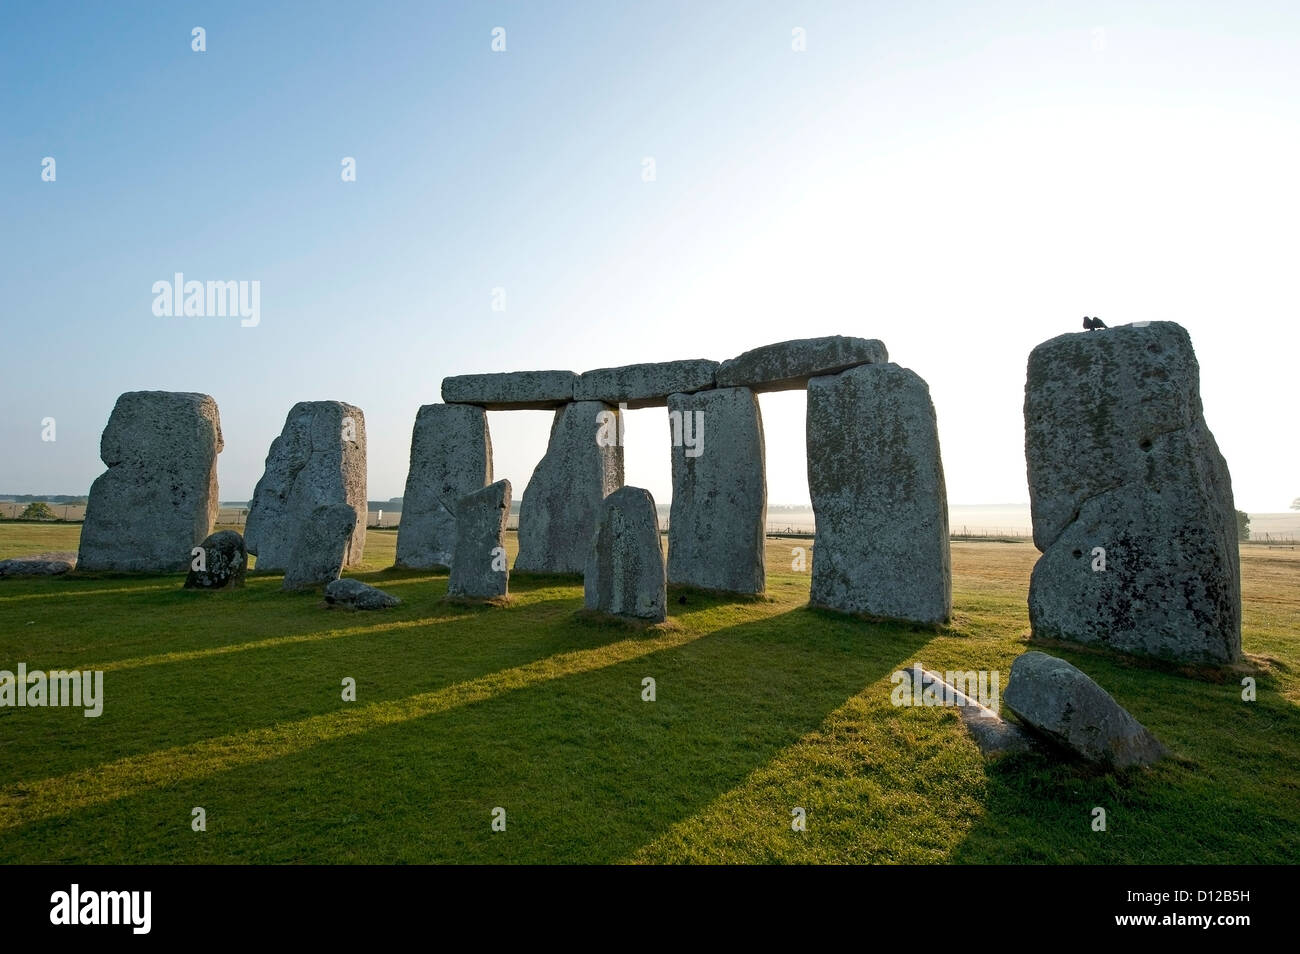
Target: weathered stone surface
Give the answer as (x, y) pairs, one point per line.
(511, 390)
(451, 456)
(225, 561)
(788, 365)
(158, 497)
(1120, 458)
(318, 459)
(44, 564)
(478, 568)
(321, 547)
(1061, 703)
(876, 480)
(645, 385)
(358, 595)
(718, 515)
(557, 515)
(625, 562)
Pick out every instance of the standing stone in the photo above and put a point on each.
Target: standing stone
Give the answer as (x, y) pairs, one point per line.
(224, 563)
(718, 516)
(557, 515)
(158, 497)
(625, 562)
(321, 547)
(876, 481)
(1063, 704)
(1131, 500)
(478, 569)
(451, 456)
(318, 459)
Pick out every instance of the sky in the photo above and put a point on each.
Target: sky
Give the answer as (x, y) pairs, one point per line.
(962, 181)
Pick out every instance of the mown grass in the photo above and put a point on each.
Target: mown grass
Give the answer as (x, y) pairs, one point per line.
(232, 701)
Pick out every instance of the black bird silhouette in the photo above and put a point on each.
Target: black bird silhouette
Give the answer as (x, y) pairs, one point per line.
(1093, 324)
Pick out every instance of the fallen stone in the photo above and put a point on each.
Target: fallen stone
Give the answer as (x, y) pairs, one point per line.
(993, 734)
(318, 459)
(511, 390)
(321, 548)
(223, 561)
(358, 595)
(1062, 704)
(718, 516)
(645, 385)
(557, 515)
(625, 563)
(875, 476)
(478, 569)
(158, 497)
(41, 565)
(1131, 500)
(788, 365)
(451, 456)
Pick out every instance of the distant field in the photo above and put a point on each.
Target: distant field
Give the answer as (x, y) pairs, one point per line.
(231, 701)
(983, 520)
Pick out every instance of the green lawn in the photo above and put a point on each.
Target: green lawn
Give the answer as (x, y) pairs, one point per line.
(232, 701)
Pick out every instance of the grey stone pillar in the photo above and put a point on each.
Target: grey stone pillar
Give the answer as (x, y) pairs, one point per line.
(1131, 499)
(451, 456)
(557, 515)
(319, 459)
(876, 481)
(158, 498)
(718, 516)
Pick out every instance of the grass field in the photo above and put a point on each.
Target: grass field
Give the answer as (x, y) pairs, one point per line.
(232, 701)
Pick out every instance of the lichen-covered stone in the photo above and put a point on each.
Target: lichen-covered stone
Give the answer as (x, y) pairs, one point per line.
(876, 480)
(788, 365)
(478, 568)
(358, 595)
(718, 516)
(1060, 702)
(1131, 500)
(557, 515)
(158, 497)
(318, 459)
(321, 548)
(223, 562)
(451, 456)
(48, 565)
(511, 390)
(645, 385)
(625, 564)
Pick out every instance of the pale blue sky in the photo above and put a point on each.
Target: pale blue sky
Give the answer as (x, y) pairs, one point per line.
(961, 180)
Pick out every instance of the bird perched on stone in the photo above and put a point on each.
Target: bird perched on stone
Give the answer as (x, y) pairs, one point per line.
(1093, 324)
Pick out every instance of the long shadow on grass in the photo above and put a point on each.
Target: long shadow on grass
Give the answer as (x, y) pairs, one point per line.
(586, 770)
(1223, 798)
(159, 702)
